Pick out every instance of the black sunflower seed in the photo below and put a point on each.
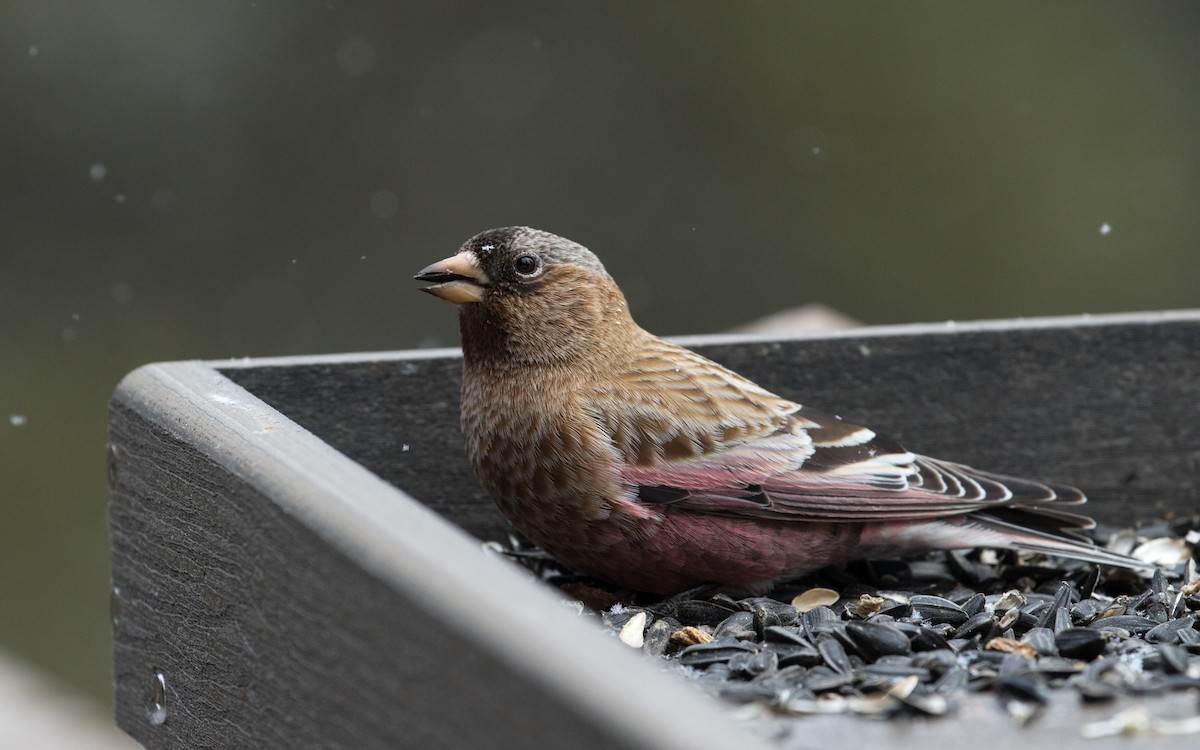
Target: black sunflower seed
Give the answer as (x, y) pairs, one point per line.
(738, 625)
(754, 663)
(716, 651)
(1042, 640)
(834, 654)
(1131, 623)
(818, 620)
(658, 635)
(1058, 665)
(910, 631)
(1079, 643)
(974, 605)
(1062, 619)
(700, 612)
(874, 639)
(896, 671)
(936, 610)
(982, 627)
(765, 617)
(1087, 610)
(1168, 632)
(821, 679)
(785, 634)
(1062, 598)
(794, 655)
(938, 662)
(953, 681)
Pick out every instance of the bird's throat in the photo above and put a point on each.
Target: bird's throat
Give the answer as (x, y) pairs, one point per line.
(496, 337)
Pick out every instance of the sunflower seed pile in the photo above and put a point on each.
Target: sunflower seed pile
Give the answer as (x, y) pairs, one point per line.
(893, 638)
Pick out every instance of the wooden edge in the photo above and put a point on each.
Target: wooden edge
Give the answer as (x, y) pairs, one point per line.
(408, 546)
(714, 339)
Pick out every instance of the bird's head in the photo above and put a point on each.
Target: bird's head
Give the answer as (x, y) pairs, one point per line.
(528, 295)
(507, 262)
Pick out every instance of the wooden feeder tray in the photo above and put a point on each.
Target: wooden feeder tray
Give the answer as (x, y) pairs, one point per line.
(296, 554)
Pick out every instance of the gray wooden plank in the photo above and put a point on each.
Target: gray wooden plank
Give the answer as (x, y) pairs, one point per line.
(259, 564)
(1109, 403)
(290, 598)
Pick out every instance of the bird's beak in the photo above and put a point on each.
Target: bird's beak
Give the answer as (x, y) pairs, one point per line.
(458, 279)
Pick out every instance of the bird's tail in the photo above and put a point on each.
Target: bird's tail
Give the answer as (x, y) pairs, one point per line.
(1054, 533)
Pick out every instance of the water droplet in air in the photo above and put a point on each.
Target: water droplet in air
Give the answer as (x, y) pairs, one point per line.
(17, 420)
(122, 293)
(33, 50)
(384, 203)
(97, 172)
(356, 57)
(158, 699)
(1105, 228)
(404, 448)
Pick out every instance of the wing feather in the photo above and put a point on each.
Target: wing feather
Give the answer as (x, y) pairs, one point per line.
(692, 434)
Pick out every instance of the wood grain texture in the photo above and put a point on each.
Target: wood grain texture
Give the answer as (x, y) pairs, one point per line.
(293, 597)
(1108, 403)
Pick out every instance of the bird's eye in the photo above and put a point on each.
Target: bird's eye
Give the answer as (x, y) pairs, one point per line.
(526, 265)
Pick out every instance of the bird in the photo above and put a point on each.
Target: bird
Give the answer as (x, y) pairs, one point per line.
(644, 464)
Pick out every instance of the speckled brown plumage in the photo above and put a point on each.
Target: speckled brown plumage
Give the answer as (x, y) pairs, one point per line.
(646, 464)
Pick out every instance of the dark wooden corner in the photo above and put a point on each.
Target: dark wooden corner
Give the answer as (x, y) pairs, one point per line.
(296, 542)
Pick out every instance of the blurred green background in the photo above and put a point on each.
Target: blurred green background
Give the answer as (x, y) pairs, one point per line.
(217, 179)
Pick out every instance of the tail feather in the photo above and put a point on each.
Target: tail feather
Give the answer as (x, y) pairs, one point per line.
(1033, 532)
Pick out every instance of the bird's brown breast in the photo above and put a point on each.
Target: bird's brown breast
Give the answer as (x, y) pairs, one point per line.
(547, 464)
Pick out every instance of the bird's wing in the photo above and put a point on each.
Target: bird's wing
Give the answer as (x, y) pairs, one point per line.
(692, 434)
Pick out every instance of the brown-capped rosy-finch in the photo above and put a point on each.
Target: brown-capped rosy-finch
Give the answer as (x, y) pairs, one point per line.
(643, 463)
